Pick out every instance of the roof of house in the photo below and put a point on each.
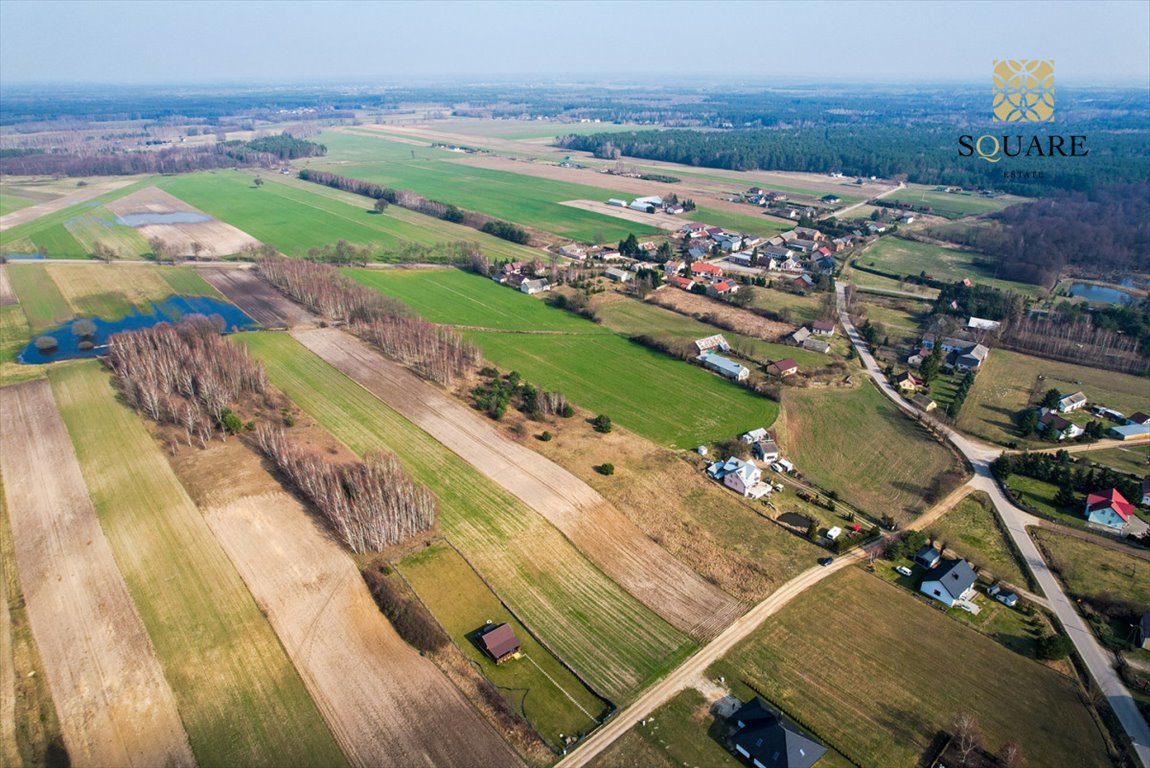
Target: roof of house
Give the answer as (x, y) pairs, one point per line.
(767, 447)
(908, 376)
(681, 282)
(927, 552)
(617, 274)
(499, 641)
(705, 267)
(773, 741)
(805, 278)
(722, 364)
(1067, 401)
(723, 286)
(1139, 418)
(711, 342)
(1111, 499)
(822, 325)
(922, 401)
(785, 364)
(956, 576)
(801, 335)
(1052, 419)
(755, 434)
(982, 325)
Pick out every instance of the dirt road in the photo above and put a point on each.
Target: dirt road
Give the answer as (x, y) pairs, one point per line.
(33, 212)
(593, 525)
(684, 675)
(114, 703)
(385, 704)
(255, 296)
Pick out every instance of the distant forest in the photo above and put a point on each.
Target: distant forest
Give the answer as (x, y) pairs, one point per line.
(176, 159)
(918, 152)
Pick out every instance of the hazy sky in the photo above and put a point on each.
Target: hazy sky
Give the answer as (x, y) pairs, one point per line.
(200, 41)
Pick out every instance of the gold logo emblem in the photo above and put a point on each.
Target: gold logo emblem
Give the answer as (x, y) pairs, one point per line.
(1024, 90)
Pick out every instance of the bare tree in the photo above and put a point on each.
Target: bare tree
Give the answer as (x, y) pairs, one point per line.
(197, 248)
(1011, 755)
(103, 251)
(165, 251)
(966, 736)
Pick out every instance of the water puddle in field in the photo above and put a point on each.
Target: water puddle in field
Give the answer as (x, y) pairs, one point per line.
(144, 219)
(71, 343)
(795, 519)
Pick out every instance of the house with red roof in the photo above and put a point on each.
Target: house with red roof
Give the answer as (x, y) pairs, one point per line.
(678, 281)
(784, 367)
(722, 288)
(705, 269)
(1109, 508)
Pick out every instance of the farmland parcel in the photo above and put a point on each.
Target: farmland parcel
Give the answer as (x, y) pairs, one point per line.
(603, 633)
(218, 653)
(115, 706)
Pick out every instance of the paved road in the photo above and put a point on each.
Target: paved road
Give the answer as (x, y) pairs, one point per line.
(1098, 662)
(683, 675)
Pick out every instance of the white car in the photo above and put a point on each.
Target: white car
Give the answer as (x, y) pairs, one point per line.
(903, 570)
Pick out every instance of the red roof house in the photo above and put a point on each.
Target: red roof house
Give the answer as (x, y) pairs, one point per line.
(1109, 508)
(783, 367)
(500, 643)
(685, 283)
(722, 288)
(705, 268)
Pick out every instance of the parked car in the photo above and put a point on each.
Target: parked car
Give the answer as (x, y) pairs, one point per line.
(903, 570)
(826, 560)
(1009, 599)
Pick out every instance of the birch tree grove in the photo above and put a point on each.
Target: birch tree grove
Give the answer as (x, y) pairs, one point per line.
(369, 505)
(435, 353)
(184, 374)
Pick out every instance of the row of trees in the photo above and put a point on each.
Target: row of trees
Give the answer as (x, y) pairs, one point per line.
(435, 353)
(185, 374)
(370, 504)
(347, 184)
(1061, 470)
(506, 231)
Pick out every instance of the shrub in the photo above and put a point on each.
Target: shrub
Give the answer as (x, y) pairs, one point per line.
(231, 422)
(545, 437)
(46, 343)
(1053, 647)
(567, 411)
(411, 620)
(605, 469)
(602, 423)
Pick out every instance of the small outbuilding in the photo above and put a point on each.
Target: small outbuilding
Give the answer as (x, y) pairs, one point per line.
(499, 642)
(927, 557)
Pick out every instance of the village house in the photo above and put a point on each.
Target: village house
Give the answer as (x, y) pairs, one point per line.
(784, 367)
(801, 335)
(1062, 429)
(765, 450)
(1108, 508)
(907, 382)
(823, 328)
(697, 252)
(741, 476)
(534, 286)
(724, 367)
(673, 267)
(924, 402)
(705, 269)
(830, 199)
(803, 246)
(817, 345)
(693, 229)
(618, 275)
(951, 583)
(721, 288)
(500, 643)
(684, 283)
(803, 282)
(826, 265)
(573, 251)
(769, 741)
(774, 252)
(673, 209)
(807, 233)
(742, 258)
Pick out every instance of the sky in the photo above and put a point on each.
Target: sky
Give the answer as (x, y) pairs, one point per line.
(302, 42)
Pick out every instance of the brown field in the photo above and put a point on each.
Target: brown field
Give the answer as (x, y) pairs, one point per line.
(743, 321)
(255, 296)
(598, 530)
(385, 704)
(9, 754)
(115, 705)
(222, 239)
(7, 295)
(660, 220)
(33, 212)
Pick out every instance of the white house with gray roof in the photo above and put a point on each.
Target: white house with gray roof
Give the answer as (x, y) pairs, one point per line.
(950, 583)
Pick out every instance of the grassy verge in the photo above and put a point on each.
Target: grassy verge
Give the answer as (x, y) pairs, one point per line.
(1134, 459)
(831, 668)
(604, 634)
(972, 530)
(218, 652)
(549, 695)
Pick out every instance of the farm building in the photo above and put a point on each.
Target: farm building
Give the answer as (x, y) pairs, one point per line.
(1130, 432)
(684, 283)
(707, 343)
(927, 557)
(742, 258)
(1139, 418)
(1068, 403)
(1109, 508)
(617, 202)
(829, 199)
(817, 345)
(500, 643)
(573, 251)
(950, 583)
(970, 359)
(618, 275)
(801, 335)
(823, 328)
(754, 436)
(924, 402)
(785, 367)
(765, 450)
(534, 286)
(1060, 427)
(725, 367)
(979, 324)
(768, 740)
(722, 288)
(803, 281)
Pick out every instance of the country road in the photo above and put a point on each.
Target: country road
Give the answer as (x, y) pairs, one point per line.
(1098, 662)
(841, 213)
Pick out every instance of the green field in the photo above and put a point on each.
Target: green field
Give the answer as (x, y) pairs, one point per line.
(1039, 496)
(454, 297)
(881, 284)
(609, 638)
(574, 356)
(663, 399)
(952, 205)
(51, 236)
(1134, 459)
(900, 319)
(972, 530)
(10, 202)
(909, 257)
(1007, 379)
(14, 336)
(43, 304)
(630, 317)
(527, 200)
(793, 308)
(98, 224)
(1090, 571)
(858, 443)
(552, 699)
(880, 674)
(219, 654)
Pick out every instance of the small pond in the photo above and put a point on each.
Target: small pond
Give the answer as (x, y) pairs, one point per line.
(1100, 294)
(169, 310)
(795, 519)
(143, 219)
(23, 256)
